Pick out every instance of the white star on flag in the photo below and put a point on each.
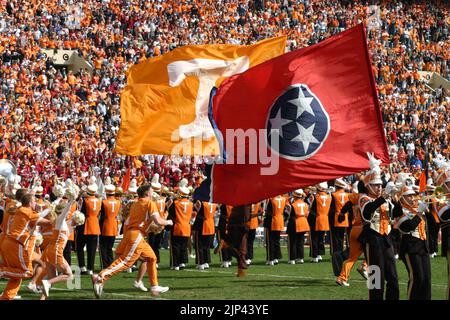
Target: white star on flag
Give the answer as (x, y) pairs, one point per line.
(278, 122)
(302, 103)
(305, 136)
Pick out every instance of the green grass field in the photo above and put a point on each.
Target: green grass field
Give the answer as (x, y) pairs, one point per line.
(285, 282)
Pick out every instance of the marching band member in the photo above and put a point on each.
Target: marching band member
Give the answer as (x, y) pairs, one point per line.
(88, 233)
(64, 221)
(414, 247)
(378, 213)
(108, 224)
(142, 213)
(338, 228)
(320, 208)
(222, 236)
(443, 210)
(355, 247)
(204, 231)
(255, 221)
(297, 227)
(180, 212)
(274, 224)
(433, 221)
(17, 256)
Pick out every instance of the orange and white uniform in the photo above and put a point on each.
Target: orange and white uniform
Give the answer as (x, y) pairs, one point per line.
(134, 244)
(111, 207)
(16, 248)
(7, 220)
(356, 248)
(62, 229)
(323, 203)
(93, 207)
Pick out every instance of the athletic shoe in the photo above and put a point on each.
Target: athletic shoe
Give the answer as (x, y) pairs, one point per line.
(291, 262)
(342, 283)
(200, 267)
(175, 268)
(32, 287)
(315, 260)
(229, 263)
(129, 270)
(90, 272)
(362, 271)
(140, 285)
(299, 261)
(46, 288)
(396, 257)
(98, 286)
(275, 261)
(206, 265)
(320, 258)
(248, 261)
(17, 297)
(83, 270)
(270, 263)
(156, 290)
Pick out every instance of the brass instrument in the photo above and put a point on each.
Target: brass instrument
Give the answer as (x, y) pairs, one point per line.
(438, 194)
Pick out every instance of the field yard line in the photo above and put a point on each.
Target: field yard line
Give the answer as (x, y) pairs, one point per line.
(292, 276)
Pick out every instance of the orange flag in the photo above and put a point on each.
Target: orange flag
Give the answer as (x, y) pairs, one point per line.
(164, 107)
(423, 182)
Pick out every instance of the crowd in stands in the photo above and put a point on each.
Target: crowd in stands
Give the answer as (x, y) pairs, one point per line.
(56, 121)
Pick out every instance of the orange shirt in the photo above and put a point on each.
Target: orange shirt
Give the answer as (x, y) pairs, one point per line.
(140, 212)
(183, 215)
(323, 203)
(93, 207)
(340, 198)
(111, 207)
(23, 225)
(278, 204)
(357, 219)
(209, 209)
(254, 222)
(301, 210)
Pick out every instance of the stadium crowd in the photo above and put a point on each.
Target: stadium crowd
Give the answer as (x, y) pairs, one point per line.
(54, 121)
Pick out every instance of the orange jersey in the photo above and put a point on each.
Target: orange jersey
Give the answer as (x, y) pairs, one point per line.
(340, 198)
(301, 211)
(209, 209)
(183, 215)
(278, 205)
(23, 225)
(140, 213)
(93, 207)
(254, 222)
(323, 203)
(357, 219)
(111, 207)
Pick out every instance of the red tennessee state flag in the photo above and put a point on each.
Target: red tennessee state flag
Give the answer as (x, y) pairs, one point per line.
(302, 118)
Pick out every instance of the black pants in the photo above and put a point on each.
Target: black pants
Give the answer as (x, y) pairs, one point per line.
(296, 245)
(381, 254)
(250, 243)
(337, 239)
(419, 270)
(106, 250)
(202, 247)
(155, 240)
(317, 243)
(179, 252)
(396, 238)
(90, 241)
(225, 254)
(67, 253)
(433, 231)
(273, 249)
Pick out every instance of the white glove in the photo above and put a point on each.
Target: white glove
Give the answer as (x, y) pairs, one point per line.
(169, 223)
(423, 207)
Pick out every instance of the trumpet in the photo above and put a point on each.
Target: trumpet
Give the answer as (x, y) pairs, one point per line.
(439, 195)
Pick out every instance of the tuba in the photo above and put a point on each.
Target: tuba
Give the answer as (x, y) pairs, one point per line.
(8, 170)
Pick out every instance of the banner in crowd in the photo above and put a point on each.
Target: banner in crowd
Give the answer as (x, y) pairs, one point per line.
(164, 107)
(302, 118)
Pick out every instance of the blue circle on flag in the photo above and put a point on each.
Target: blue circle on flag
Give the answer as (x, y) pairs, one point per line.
(297, 124)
